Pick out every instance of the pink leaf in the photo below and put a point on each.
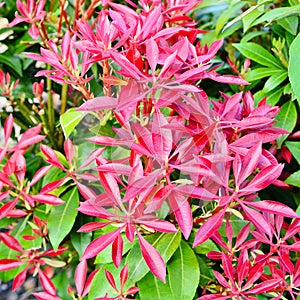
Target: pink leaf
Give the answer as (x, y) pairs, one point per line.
(11, 242)
(153, 259)
(264, 287)
(111, 280)
(257, 219)
(8, 126)
(159, 225)
(69, 151)
(80, 276)
(19, 279)
(46, 283)
(92, 226)
(6, 208)
(89, 282)
(39, 174)
(51, 156)
(45, 296)
(117, 250)
(99, 103)
(152, 53)
(208, 228)
(48, 199)
(9, 264)
(100, 244)
(274, 208)
(182, 212)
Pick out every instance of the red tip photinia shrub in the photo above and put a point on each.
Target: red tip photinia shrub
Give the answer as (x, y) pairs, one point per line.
(191, 163)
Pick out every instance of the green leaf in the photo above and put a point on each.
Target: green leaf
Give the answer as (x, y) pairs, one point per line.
(206, 247)
(165, 243)
(183, 273)
(206, 273)
(13, 62)
(272, 97)
(274, 81)
(152, 288)
(294, 63)
(286, 119)
(251, 17)
(278, 13)
(290, 24)
(80, 240)
(227, 14)
(69, 120)
(258, 54)
(251, 35)
(294, 179)
(62, 217)
(294, 147)
(259, 73)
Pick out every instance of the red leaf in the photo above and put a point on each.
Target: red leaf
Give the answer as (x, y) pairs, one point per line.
(92, 226)
(117, 250)
(99, 103)
(274, 208)
(264, 287)
(9, 264)
(53, 185)
(80, 276)
(51, 156)
(69, 151)
(19, 279)
(153, 259)
(100, 244)
(124, 276)
(8, 126)
(7, 208)
(11, 242)
(208, 228)
(46, 283)
(39, 174)
(111, 280)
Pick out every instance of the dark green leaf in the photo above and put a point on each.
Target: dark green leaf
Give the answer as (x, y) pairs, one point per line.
(13, 62)
(290, 24)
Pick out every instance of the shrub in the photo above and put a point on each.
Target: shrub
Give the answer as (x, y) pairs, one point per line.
(128, 179)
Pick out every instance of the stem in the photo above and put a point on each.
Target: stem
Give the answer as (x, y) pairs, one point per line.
(50, 110)
(64, 94)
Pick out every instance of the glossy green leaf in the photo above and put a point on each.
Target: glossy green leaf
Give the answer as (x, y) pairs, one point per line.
(183, 273)
(259, 73)
(286, 119)
(62, 217)
(69, 120)
(294, 63)
(229, 13)
(165, 243)
(294, 179)
(258, 54)
(272, 97)
(206, 247)
(294, 147)
(152, 288)
(251, 35)
(290, 24)
(278, 13)
(274, 81)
